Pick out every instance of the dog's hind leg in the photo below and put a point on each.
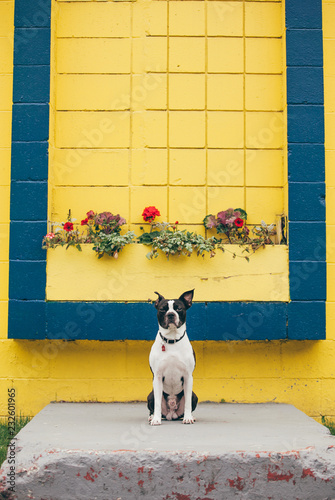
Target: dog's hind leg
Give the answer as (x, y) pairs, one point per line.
(151, 404)
(188, 384)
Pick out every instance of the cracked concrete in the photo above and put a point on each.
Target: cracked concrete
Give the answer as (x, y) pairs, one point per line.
(108, 451)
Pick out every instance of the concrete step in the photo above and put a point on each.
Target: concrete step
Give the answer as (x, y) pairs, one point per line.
(108, 451)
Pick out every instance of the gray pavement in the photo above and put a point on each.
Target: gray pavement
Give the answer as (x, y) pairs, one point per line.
(86, 450)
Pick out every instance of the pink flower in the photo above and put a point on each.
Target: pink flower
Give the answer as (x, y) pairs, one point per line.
(90, 214)
(49, 236)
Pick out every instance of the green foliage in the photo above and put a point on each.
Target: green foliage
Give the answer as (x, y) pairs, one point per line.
(328, 423)
(103, 230)
(112, 244)
(6, 437)
(172, 241)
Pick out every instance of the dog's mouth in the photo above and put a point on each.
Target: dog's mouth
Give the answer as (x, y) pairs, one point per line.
(172, 322)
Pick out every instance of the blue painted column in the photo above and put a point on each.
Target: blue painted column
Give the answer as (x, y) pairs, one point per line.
(306, 169)
(29, 178)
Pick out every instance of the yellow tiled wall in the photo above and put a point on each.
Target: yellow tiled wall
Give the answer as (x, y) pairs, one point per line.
(6, 84)
(297, 372)
(177, 104)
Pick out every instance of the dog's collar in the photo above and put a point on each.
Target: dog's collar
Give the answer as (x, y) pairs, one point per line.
(170, 341)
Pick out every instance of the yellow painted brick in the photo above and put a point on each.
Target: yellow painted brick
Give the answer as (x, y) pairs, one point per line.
(187, 129)
(149, 18)
(93, 92)
(149, 129)
(98, 19)
(225, 167)
(6, 84)
(225, 18)
(187, 167)
(330, 320)
(330, 232)
(187, 18)
(6, 51)
(90, 167)
(264, 204)
(4, 203)
(149, 91)
(4, 242)
(133, 277)
(149, 54)
(331, 282)
(264, 92)
(236, 356)
(4, 167)
(75, 129)
(142, 197)
(221, 198)
(328, 19)
(225, 55)
(137, 358)
(264, 168)
(329, 84)
(328, 391)
(5, 129)
(303, 393)
(330, 208)
(225, 92)
(264, 130)
(3, 319)
(328, 56)
(149, 166)
(187, 54)
(4, 269)
(263, 19)
(302, 359)
(93, 55)
(71, 359)
(187, 91)
(330, 130)
(6, 19)
(187, 204)
(82, 199)
(225, 129)
(330, 168)
(263, 55)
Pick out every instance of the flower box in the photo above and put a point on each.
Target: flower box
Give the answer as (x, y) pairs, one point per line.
(80, 276)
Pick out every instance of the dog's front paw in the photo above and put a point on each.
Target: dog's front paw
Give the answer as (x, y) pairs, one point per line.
(188, 419)
(155, 421)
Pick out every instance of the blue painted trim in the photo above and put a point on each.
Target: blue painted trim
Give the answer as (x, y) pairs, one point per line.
(306, 169)
(31, 317)
(205, 321)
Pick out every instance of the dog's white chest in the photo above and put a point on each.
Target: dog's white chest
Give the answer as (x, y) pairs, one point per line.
(172, 362)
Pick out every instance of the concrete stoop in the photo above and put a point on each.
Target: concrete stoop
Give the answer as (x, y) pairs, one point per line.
(89, 451)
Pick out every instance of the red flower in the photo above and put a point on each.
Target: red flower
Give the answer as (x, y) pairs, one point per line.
(90, 214)
(149, 213)
(176, 222)
(84, 222)
(68, 226)
(239, 222)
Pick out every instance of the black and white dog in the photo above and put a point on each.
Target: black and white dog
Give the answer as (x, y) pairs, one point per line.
(172, 361)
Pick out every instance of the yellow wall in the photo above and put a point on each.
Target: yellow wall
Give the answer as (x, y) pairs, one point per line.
(6, 84)
(297, 372)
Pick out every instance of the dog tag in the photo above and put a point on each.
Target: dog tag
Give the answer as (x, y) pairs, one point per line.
(163, 347)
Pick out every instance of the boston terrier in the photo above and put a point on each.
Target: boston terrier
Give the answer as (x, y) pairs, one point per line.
(172, 361)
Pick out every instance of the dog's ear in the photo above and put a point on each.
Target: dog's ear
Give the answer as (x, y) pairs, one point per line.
(160, 298)
(187, 297)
